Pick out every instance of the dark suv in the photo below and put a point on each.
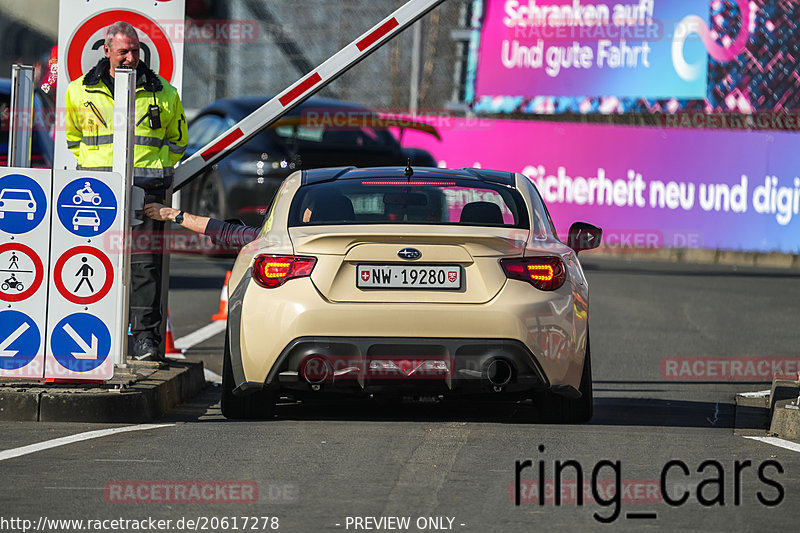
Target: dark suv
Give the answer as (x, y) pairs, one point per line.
(318, 133)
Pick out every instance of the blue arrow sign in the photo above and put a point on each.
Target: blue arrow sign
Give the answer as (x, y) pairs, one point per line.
(80, 342)
(22, 204)
(20, 340)
(86, 207)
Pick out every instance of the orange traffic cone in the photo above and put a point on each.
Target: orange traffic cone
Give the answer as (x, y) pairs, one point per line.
(223, 301)
(170, 348)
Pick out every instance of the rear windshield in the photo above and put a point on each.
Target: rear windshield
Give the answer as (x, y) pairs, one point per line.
(436, 201)
(313, 136)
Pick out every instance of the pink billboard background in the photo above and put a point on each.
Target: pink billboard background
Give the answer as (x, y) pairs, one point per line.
(713, 189)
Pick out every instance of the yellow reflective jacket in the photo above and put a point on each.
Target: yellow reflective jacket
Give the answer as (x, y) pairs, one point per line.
(89, 125)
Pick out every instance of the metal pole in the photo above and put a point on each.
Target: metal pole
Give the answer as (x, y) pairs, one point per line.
(416, 50)
(122, 163)
(21, 123)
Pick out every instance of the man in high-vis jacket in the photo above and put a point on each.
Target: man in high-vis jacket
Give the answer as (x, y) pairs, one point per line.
(160, 141)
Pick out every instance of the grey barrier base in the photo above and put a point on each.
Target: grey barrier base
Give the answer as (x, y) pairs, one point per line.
(142, 392)
(774, 414)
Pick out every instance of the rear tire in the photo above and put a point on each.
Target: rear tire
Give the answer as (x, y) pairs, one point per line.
(554, 408)
(255, 406)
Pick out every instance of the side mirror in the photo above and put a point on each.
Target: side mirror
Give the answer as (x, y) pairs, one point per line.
(583, 236)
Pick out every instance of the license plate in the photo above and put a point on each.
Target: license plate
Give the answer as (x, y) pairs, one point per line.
(408, 277)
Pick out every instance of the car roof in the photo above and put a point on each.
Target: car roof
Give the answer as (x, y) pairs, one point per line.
(347, 173)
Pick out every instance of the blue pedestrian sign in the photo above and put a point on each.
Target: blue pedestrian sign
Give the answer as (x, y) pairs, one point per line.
(23, 204)
(80, 342)
(86, 207)
(20, 340)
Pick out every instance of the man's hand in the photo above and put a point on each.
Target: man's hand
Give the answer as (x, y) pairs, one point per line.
(163, 213)
(160, 212)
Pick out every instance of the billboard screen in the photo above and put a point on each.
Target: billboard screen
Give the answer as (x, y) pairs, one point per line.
(705, 189)
(749, 49)
(593, 48)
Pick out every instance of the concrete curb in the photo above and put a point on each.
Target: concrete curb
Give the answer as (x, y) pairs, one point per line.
(774, 413)
(752, 414)
(784, 411)
(143, 395)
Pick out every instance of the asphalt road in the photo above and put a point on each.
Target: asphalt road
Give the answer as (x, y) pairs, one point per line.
(345, 466)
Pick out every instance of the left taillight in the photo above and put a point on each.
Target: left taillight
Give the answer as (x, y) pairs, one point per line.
(544, 273)
(272, 271)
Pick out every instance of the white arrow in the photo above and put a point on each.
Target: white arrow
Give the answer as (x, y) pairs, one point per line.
(11, 338)
(89, 352)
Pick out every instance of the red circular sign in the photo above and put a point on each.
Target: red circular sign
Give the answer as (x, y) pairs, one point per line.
(74, 298)
(137, 20)
(38, 273)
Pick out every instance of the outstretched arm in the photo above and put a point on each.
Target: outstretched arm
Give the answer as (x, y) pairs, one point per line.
(162, 213)
(232, 234)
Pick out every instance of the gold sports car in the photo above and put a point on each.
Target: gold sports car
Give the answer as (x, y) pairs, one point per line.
(409, 282)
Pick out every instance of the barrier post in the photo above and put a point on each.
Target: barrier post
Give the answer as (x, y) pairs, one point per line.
(122, 163)
(21, 119)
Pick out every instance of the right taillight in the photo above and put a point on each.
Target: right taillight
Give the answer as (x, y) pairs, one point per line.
(544, 273)
(271, 271)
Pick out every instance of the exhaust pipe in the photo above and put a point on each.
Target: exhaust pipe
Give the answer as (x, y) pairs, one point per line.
(316, 370)
(499, 372)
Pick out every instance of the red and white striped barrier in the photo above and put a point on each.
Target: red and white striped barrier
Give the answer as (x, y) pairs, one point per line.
(311, 83)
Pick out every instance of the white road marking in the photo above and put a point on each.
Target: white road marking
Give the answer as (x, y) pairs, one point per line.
(196, 337)
(46, 445)
(128, 461)
(202, 334)
(74, 488)
(213, 377)
(786, 444)
(756, 394)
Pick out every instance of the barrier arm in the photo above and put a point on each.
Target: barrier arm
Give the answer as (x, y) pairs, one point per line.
(301, 90)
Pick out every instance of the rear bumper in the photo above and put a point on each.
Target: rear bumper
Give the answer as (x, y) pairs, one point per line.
(536, 337)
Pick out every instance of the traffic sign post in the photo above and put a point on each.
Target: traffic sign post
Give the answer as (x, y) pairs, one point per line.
(87, 252)
(21, 120)
(24, 262)
(124, 109)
